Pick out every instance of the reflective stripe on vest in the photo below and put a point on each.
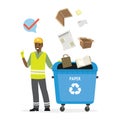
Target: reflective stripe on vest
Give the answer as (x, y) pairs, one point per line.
(38, 66)
(37, 71)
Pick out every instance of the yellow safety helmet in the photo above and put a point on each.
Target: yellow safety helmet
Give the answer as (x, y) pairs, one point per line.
(38, 40)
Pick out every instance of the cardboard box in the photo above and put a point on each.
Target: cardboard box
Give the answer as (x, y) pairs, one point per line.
(62, 14)
(85, 42)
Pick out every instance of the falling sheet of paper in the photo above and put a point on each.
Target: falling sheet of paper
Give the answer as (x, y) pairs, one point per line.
(82, 22)
(66, 40)
(78, 12)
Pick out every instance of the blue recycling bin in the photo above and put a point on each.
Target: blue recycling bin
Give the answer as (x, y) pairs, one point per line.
(74, 86)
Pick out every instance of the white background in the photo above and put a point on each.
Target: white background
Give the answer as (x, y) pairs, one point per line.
(103, 27)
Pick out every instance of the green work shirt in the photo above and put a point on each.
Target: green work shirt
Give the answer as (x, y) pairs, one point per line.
(48, 62)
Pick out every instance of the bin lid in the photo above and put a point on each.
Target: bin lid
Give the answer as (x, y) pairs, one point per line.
(92, 67)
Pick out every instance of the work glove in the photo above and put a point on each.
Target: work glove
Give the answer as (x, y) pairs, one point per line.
(22, 54)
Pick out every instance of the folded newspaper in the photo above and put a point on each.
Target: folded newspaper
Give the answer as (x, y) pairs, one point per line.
(82, 62)
(66, 40)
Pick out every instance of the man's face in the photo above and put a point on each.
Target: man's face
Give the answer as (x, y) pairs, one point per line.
(38, 46)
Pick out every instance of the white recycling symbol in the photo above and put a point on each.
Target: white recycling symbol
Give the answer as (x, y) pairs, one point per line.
(71, 89)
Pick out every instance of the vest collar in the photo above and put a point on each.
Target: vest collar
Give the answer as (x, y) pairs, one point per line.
(38, 54)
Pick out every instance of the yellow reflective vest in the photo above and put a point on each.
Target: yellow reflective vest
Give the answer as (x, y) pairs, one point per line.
(38, 66)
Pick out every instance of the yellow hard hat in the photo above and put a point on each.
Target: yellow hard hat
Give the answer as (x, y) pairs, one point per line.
(38, 40)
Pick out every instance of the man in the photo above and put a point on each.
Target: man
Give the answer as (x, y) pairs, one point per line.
(37, 62)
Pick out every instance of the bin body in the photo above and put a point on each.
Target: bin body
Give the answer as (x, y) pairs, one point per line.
(74, 86)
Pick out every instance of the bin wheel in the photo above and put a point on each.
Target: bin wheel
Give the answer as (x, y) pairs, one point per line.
(87, 108)
(62, 109)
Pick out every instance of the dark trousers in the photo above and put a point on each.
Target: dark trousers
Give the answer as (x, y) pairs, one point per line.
(42, 84)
